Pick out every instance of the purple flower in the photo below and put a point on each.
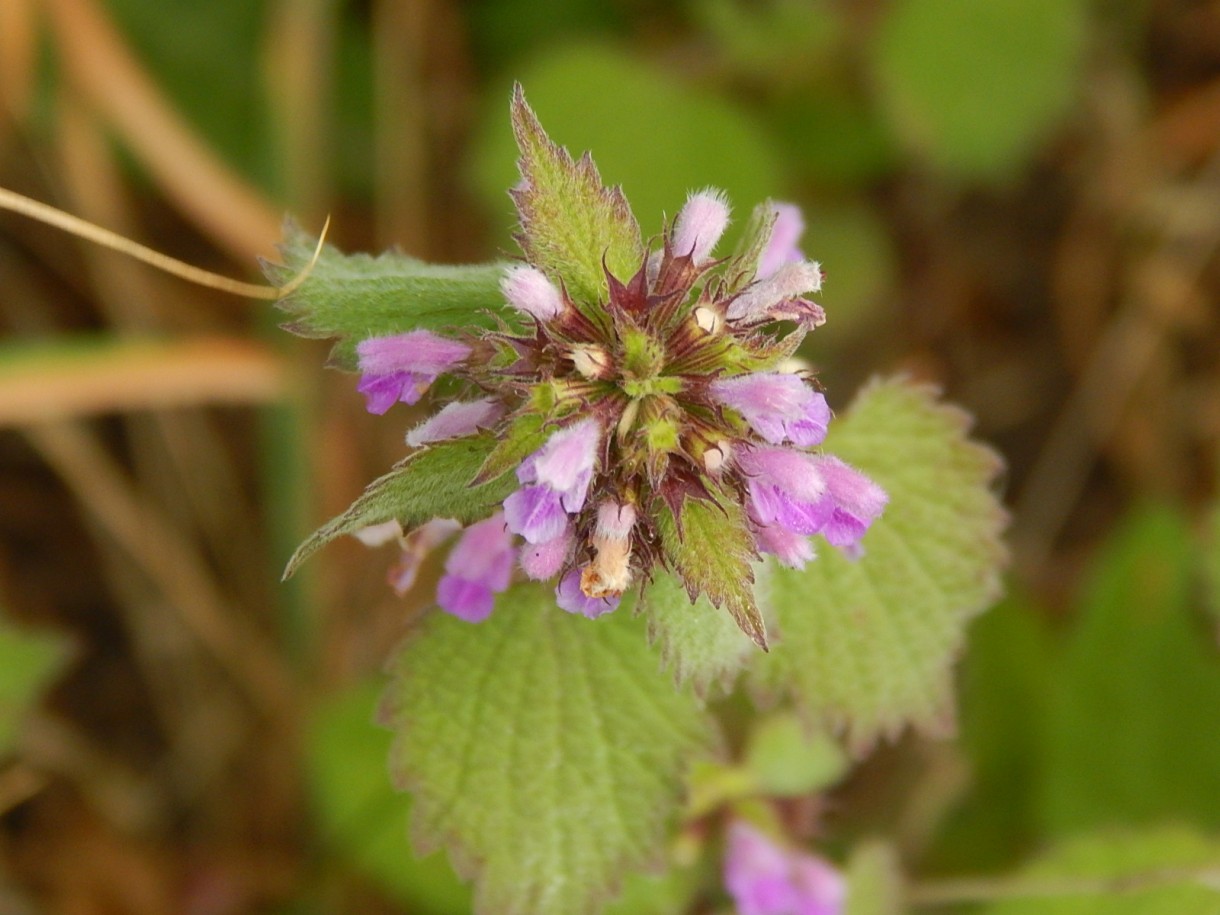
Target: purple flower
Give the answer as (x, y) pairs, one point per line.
(416, 546)
(529, 291)
(767, 879)
(556, 479)
(400, 367)
(541, 561)
(781, 247)
(777, 406)
(571, 597)
(699, 225)
(456, 420)
(789, 547)
(478, 567)
(779, 297)
(809, 494)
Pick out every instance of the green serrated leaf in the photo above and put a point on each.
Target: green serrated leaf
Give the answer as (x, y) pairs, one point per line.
(359, 813)
(542, 750)
(571, 223)
(1167, 871)
(709, 547)
(28, 661)
(867, 646)
(434, 482)
(701, 645)
(356, 296)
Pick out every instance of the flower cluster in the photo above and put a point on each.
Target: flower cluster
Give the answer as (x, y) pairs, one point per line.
(677, 387)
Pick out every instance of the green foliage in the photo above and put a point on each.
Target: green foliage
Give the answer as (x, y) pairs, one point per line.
(1162, 872)
(28, 662)
(974, 85)
(652, 134)
(699, 644)
(434, 482)
(770, 41)
(543, 750)
(1006, 685)
(1109, 722)
(710, 548)
(1131, 721)
(359, 813)
(867, 646)
(786, 759)
(874, 881)
(355, 296)
(573, 227)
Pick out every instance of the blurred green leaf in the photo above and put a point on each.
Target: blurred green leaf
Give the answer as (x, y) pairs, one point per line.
(972, 85)
(787, 760)
(28, 662)
(504, 31)
(657, 137)
(834, 137)
(777, 41)
(360, 814)
(1131, 723)
(208, 57)
(867, 645)
(1170, 871)
(874, 881)
(544, 750)
(1007, 678)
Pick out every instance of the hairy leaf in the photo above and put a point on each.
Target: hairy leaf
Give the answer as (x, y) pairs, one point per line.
(571, 224)
(867, 646)
(357, 296)
(699, 644)
(710, 547)
(434, 482)
(543, 750)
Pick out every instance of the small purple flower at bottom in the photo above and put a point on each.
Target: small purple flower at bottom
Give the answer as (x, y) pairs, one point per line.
(401, 366)
(767, 879)
(570, 597)
(479, 567)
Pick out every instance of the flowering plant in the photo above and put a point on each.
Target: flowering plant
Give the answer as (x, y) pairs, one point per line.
(628, 428)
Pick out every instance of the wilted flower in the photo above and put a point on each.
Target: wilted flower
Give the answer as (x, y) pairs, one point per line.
(668, 390)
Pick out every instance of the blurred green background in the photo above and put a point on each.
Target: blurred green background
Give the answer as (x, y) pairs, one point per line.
(1016, 200)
